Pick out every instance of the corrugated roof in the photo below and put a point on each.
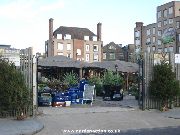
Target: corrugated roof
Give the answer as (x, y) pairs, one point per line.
(63, 61)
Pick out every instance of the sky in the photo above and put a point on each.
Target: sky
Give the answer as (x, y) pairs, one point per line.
(24, 23)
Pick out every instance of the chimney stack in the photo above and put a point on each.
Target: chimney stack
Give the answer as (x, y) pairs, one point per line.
(50, 47)
(99, 31)
(139, 24)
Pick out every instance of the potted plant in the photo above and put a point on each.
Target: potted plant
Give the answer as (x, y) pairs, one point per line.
(70, 79)
(112, 82)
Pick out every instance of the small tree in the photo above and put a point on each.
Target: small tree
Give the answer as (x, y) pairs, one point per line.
(164, 85)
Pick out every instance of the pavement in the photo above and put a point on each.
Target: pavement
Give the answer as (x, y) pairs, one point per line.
(28, 126)
(31, 126)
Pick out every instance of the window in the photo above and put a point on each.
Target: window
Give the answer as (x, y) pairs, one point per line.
(170, 21)
(59, 36)
(154, 39)
(68, 46)
(137, 33)
(60, 46)
(112, 47)
(165, 22)
(170, 49)
(154, 48)
(86, 37)
(165, 49)
(159, 42)
(94, 38)
(104, 55)
(148, 41)
(87, 47)
(165, 13)
(67, 36)
(179, 37)
(137, 42)
(60, 53)
(78, 51)
(87, 57)
(148, 32)
(112, 56)
(159, 32)
(95, 57)
(95, 48)
(170, 10)
(159, 24)
(159, 14)
(69, 55)
(177, 25)
(154, 30)
(148, 49)
(159, 50)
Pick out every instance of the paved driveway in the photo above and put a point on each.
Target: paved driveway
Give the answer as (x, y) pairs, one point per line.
(101, 117)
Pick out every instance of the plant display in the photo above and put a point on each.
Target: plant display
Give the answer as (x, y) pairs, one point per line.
(70, 79)
(111, 78)
(97, 81)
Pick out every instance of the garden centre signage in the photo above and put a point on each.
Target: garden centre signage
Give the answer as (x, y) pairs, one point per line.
(177, 58)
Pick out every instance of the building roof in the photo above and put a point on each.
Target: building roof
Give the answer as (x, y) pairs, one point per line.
(5, 46)
(63, 61)
(75, 32)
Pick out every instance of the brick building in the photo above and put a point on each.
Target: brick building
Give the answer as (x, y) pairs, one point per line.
(162, 36)
(77, 43)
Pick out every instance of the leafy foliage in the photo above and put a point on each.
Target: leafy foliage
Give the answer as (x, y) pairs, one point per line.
(97, 81)
(164, 85)
(14, 93)
(111, 78)
(70, 79)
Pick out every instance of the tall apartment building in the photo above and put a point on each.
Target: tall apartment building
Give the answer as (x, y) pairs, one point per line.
(162, 36)
(77, 43)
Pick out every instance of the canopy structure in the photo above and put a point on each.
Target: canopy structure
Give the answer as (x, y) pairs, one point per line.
(63, 61)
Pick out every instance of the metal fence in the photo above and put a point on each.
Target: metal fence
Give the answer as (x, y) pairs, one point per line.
(17, 112)
(26, 67)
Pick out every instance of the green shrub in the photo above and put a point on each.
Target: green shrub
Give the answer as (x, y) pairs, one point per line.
(70, 79)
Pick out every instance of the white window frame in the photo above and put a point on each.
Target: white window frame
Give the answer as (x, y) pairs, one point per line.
(178, 24)
(154, 39)
(78, 51)
(104, 56)
(170, 10)
(95, 57)
(165, 13)
(159, 14)
(148, 32)
(60, 46)
(95, 50)
(159, 33)
(165, 49)
(137, 33)
(86, 37)
(87, 57)
(165, 22)
(87, 47)
(68, 46)
(67, 36)
(59, 36)
(170, 21)
(154, 30)
(159, 42)
(171, 49)
(154, 48)
(159, 24)
(137, 42)
(113, 55)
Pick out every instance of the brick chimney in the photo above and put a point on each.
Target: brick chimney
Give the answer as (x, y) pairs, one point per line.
(50, 47)
(99, 31)
(139, 24)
